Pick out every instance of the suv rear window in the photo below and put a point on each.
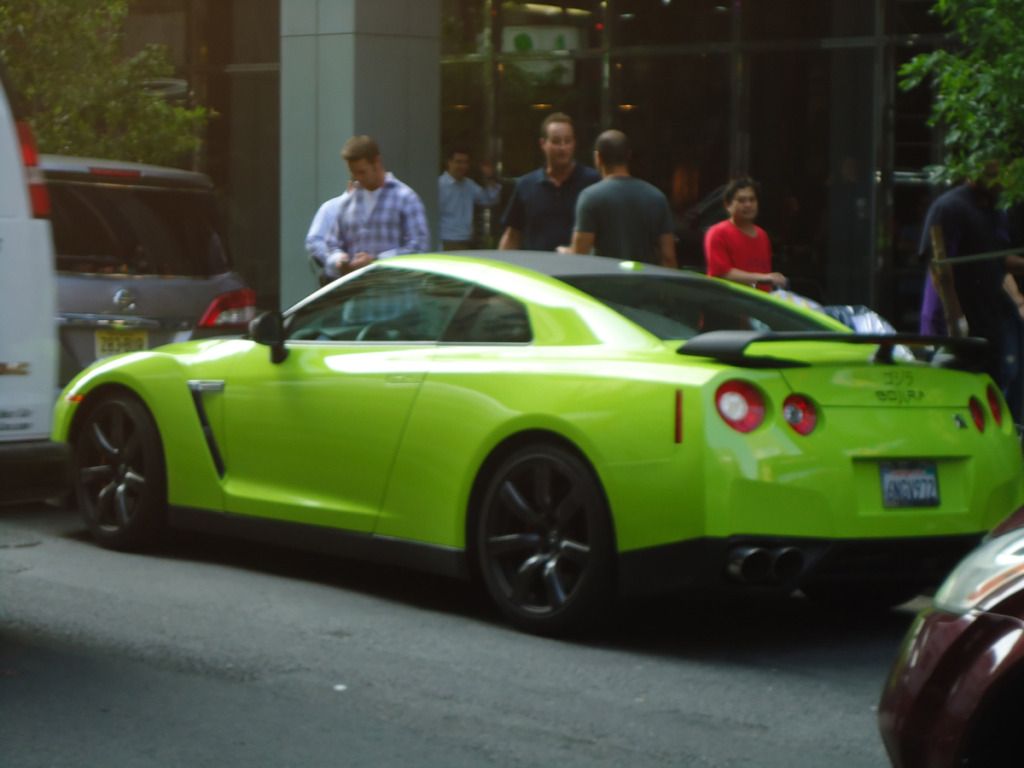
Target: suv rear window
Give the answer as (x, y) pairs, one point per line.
(120, 230)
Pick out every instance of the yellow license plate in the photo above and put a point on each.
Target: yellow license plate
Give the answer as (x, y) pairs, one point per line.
(115, 342)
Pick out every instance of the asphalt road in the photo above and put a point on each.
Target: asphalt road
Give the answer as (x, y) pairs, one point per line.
(219, 653)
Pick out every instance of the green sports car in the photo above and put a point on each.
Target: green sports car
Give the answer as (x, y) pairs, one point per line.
(564, 428)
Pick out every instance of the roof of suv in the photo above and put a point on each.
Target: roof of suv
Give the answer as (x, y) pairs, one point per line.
(63, 167)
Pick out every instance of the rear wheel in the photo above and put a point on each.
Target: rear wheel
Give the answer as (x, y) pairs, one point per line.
(544, 540)
(120, 478)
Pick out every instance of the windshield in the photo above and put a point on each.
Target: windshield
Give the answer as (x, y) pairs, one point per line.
(680, 308)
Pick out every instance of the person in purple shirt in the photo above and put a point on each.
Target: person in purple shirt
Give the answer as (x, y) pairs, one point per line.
(378, 217)
(971, 223)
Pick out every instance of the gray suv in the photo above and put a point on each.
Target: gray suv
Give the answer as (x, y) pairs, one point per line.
(140, 259)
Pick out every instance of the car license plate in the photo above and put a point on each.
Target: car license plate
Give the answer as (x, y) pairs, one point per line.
(910, 484)
(111, 342)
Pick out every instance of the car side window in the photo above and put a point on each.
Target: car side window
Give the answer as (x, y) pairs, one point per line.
(381, 304)
(486, 316)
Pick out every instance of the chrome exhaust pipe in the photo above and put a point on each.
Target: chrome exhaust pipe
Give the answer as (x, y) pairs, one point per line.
(787, 564)
(751, 565)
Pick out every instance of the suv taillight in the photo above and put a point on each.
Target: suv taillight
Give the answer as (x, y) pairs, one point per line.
(741, 405)
(235, 308)
(37, 192)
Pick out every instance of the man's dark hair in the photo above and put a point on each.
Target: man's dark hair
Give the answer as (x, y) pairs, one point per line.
(612, 148)
(458, 149)
(555, 117)
(360, 148)
(734, 186)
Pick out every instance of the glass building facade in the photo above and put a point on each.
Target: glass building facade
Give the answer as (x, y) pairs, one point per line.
(802, 95)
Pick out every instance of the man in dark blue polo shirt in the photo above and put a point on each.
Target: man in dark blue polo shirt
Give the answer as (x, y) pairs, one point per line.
(542, 210)
(972, 223)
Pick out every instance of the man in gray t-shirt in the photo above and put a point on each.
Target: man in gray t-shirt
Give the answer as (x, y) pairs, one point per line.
(622, 216)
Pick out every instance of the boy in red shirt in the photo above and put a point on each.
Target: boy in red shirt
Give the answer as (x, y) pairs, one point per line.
(737, 249)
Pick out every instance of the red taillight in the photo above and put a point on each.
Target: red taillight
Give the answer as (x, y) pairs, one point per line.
(741, 405)
(799, 412)
(29, 153)
(977, 413)
(235, 308)
(995, 404)
(38, 195)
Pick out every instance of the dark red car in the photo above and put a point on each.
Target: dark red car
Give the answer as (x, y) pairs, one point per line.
(955, 696)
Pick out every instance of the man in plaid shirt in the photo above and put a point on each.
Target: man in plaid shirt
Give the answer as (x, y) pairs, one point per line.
(378, 216)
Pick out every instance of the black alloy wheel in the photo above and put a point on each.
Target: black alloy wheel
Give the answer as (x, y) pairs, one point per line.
(120, 478)
(544, 541)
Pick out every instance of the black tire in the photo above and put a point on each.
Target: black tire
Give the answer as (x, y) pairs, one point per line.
(120, 479)
(544, 541)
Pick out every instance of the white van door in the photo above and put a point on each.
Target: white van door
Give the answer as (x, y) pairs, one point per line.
(31, 466)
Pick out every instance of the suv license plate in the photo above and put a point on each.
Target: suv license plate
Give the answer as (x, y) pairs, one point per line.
(115, 342)
(909, 484)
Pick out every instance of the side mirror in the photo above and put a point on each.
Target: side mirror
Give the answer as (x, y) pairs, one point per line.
(268, 328)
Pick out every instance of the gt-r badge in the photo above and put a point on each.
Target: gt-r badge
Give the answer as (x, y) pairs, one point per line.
(959, 421)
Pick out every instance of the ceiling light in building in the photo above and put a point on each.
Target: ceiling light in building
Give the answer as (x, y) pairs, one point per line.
(627, 16)
(540, 106)
(460, 107)
(627, 107)
(547, 9)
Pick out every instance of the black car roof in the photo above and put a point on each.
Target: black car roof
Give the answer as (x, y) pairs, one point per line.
(563, 265)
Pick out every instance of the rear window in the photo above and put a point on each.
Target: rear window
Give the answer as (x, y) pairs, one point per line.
(118, 230)
(677, 308)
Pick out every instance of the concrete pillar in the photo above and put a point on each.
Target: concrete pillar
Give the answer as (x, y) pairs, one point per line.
(354, 67)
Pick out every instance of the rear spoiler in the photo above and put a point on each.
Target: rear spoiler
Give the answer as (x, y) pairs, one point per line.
(730, 347)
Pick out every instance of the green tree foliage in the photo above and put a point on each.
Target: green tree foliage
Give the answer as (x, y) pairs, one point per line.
(84, 97)
(978, 86)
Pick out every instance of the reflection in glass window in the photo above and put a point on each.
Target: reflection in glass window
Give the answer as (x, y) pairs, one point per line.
(462, 27)
(912, 17)
(675, 110)
(463, 121)
(489, 317)
(647, 22)
(381, 304)
(544, 27)
(817, 168)
(789, 19)
(681, 308)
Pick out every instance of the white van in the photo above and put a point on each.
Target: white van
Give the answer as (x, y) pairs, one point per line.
(31, 465)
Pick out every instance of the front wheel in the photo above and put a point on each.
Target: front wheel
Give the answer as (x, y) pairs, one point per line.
(120, 480)
(544, 541)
